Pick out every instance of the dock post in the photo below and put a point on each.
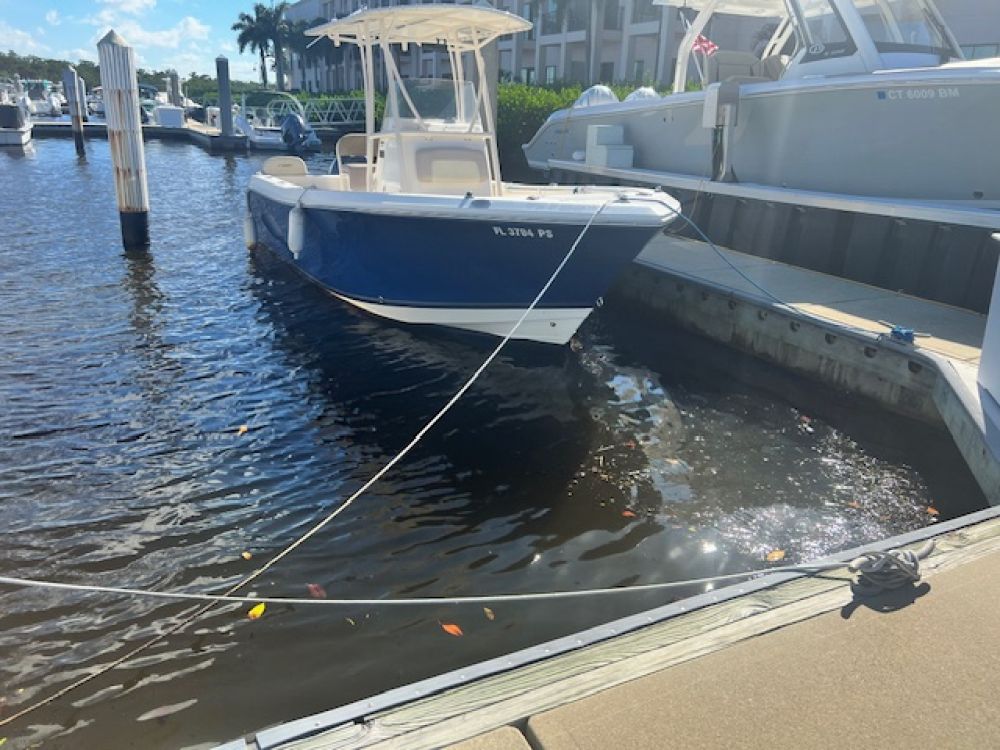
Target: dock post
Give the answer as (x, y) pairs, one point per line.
(175, 89)
(71, 87)
(82, 89)
(989, 361)
(121, 110)
(225, 97)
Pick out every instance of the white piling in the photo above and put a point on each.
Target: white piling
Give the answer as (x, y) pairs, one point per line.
(175, 89)
(225, 96)
(121, 111)
(989, 361)
(71, 87)
(82, 88)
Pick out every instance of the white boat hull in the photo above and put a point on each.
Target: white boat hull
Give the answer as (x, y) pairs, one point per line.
(15, 136)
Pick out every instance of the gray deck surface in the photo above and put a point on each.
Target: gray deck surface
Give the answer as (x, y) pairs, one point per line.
(925, 675)
(955, 333)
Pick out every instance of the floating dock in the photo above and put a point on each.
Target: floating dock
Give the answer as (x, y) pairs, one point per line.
(195, 132)
(784, 660)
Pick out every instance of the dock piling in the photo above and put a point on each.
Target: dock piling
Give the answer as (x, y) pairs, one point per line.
(225, 97)
(124, 126)
(175, 89)
(71, 87)
(989, 363)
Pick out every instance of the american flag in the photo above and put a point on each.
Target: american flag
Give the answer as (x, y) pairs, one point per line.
(705, 46)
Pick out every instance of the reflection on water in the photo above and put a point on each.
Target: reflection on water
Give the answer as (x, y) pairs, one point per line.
(125, 380)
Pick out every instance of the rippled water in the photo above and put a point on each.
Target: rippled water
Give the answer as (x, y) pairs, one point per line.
(124, 381)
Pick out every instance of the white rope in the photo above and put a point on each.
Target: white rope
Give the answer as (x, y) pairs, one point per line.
(876, 570)
(323, 523)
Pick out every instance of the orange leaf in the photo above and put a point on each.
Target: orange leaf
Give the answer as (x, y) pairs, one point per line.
(854, 504)
(490, 614)
(316, 591)
(242, 430)
(256, 611)
(451, 629)
(775, 555)
(245, 555)
(932, 510)
(628, 514)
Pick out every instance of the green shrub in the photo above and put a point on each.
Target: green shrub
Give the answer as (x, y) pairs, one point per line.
(521, 110)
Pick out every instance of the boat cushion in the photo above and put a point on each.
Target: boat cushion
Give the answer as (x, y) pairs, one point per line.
(284, 166)
(726, 64)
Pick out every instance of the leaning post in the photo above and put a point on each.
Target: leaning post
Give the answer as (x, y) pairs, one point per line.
(121, 110)
(71, 86)
(225, 96)
(989, 361)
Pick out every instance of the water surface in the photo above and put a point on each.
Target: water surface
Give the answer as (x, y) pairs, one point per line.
(125, 380)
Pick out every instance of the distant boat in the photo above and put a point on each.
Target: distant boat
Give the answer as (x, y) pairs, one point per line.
(15, 125)
(418, 226)
(275, 121)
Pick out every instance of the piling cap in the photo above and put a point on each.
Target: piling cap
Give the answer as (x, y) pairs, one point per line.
(221, 57)
(113, 39)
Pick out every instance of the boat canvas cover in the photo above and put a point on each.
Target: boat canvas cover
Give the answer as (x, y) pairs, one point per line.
(11, 116)
(464, 26)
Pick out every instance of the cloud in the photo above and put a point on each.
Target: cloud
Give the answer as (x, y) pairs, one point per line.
(52, 18)
(20, 41)
(134, 7)
(75, 55)
(186, 30)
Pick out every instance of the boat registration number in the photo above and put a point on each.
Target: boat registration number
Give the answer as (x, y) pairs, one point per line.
(544, 234)
(921, 93)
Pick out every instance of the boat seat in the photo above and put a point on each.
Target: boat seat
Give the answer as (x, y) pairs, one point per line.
(726, 65)
(773, 67)
(284, 166)
(449, 169)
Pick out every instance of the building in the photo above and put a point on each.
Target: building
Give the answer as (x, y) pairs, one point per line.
(586, 41)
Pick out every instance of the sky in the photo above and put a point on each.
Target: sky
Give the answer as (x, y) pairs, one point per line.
(186, 35)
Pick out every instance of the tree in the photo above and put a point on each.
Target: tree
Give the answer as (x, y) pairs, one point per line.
(255, 33)
(299, 43)
(280, 33)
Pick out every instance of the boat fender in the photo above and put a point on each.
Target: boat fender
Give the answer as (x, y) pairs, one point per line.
(296, 230)
(249, 231)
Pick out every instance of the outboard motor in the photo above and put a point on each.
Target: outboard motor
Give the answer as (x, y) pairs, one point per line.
(294, 132)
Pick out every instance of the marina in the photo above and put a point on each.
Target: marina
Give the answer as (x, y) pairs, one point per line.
(361, 444)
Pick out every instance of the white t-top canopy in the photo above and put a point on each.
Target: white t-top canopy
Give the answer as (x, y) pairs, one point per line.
(763, 8)
(463, 26)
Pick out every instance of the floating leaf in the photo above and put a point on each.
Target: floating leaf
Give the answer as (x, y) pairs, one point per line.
(854, 504)
(451, 629)
(256, 611)
(316, 591)
(242, 430)
(931, 510)
(628, 513)
(490, 614)
(350, 621)
(245, 555)
(775, 555)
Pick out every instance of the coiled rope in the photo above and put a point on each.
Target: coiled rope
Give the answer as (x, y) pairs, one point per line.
(188, 619)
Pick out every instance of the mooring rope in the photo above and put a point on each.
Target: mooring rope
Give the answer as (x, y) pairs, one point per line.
(876, 571)
(187, 620)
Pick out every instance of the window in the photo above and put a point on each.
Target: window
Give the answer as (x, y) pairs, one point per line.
(980, 51)
(824, 32)
(612, 15)
(528, 75)
(644, 11)
(550, 73)
(902, 26)
(638, 69)
(607, 72)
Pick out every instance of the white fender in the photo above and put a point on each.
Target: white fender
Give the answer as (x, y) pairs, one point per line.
(249, 231)
(296, 230)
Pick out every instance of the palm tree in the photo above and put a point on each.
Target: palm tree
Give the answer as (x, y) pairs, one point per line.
(255, 33)
(279, 33)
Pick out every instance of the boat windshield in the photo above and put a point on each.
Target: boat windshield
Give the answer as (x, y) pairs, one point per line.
(824, 31)
(903, 26)
(437, 100)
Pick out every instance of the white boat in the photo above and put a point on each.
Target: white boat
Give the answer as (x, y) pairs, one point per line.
(418, 226)
(275, 121)
(855, 114)
(15, 122)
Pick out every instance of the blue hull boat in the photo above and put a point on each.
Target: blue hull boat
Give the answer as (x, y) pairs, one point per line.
(417, 225)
